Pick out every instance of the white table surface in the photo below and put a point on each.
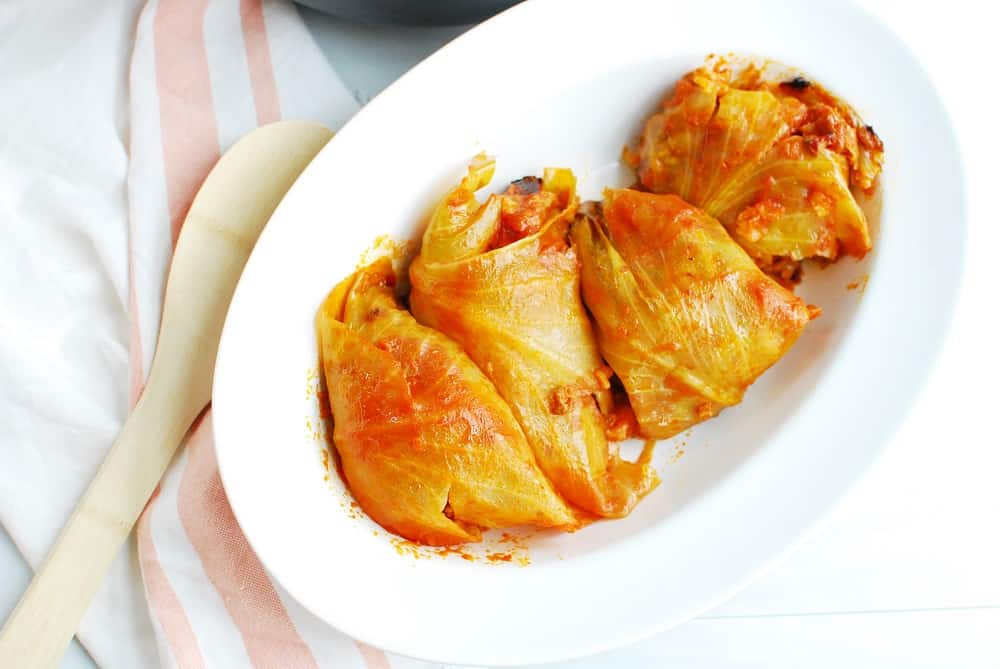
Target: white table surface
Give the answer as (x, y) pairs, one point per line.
(906, 571)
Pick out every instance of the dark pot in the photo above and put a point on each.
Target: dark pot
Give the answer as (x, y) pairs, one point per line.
(414, 12)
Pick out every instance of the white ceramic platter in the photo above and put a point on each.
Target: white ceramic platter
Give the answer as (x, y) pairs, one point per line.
(564, 83)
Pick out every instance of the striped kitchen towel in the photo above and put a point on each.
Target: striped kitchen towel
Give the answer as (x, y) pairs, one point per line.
(204, 73)
(114, 114)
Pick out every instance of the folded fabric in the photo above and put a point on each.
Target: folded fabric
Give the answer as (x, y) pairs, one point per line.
(115, 115)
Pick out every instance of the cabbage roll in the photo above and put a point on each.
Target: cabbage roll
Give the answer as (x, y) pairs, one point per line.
(500, 279)
(683, 315)
(774, 162)
(426, 445)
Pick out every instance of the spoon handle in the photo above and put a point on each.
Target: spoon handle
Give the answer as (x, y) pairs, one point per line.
(221, 228)
(37, 632)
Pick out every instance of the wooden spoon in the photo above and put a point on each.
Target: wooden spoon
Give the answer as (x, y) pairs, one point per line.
(236, 200)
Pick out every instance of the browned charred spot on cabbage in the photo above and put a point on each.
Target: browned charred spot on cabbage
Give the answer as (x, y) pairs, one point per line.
(525, 186)
(591, 212)
(592, 209)
(448, 512)
(798, 83)
(869, 139)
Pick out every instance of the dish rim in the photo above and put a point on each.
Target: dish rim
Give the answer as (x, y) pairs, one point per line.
(960, 207)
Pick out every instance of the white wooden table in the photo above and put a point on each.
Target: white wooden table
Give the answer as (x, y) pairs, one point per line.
(906, 572)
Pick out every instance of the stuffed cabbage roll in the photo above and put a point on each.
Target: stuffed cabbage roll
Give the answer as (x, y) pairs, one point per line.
(500, 279)
(426, 445)
(773, 161)
(683, 315)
